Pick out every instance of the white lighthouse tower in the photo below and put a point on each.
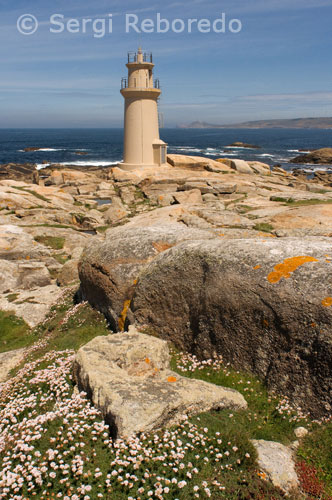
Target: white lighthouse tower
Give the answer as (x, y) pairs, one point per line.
(142, 144)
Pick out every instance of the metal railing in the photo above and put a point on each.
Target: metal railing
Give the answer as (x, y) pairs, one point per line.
(125, 85)
(133, 57)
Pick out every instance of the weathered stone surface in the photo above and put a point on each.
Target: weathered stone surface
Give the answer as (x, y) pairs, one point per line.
(317, 188)
(292, 195)
(15, 244)
(276, 461)
(8, 361)
(260, 168)
(241, 166)
(188, 197)
(116, 213)
(313, 220)
(128, 378)
(265, 305)
(223, 188)
(23, 275)
(203, 187)
(108, 270)
(68, 273)
(301, 432)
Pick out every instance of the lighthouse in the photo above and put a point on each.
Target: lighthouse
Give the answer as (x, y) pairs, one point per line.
(142, 144)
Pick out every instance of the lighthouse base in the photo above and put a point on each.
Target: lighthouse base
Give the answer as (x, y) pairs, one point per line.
(133, 166)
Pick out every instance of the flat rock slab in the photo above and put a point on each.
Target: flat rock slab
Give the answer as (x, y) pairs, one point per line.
(276, 461)
(127, 376)
(8, 361)
(33, 305)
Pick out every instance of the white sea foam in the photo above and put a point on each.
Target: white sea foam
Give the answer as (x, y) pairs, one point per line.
(41, 150)
(266, 155)
(298, 151)
(188, 150)
(237, 147)
(80, 164)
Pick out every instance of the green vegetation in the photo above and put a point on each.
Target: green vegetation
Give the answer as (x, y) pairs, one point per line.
(316, 450)
(216, 457)
(30, 191)
(300, 203)
(102, 229)
(55, 242)
(265, 418)
(244, 209)
(12, 297)
(62, 258)
(264, 227)
(14, 332)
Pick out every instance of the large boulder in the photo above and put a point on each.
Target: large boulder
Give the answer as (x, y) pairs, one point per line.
(319, 156)
(265, 305)
(276, 460)
(196, 163)
(128, 378)
(109, 270)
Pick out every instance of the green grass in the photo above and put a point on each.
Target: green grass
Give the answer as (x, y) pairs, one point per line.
(244, 209)
(12, 297)
(55, 242)
(15, 333)
(264, 227)
(300, 203)
(261, 420)
(102, 229)
(34, 193)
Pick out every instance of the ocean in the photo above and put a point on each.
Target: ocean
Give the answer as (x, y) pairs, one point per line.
(102, 147)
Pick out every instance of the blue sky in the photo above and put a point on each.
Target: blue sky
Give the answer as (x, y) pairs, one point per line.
(278, 66)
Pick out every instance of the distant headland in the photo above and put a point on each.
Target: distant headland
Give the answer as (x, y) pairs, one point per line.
(290, 123)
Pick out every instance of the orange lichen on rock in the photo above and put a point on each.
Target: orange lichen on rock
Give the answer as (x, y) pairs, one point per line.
(171, 379)
(327, 302)
(147, 360)
(257, 267)
(161, 246)
(123, 315)
(287, 267)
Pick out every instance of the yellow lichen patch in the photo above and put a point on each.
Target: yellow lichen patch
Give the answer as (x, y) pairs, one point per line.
(123, 315)
(257, 267)
(287, 267)
(147, 360)
(221, 234)
(327, 302)
(171, 379)
(267, 235)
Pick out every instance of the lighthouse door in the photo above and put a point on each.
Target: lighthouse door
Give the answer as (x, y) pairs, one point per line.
(162, 155)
